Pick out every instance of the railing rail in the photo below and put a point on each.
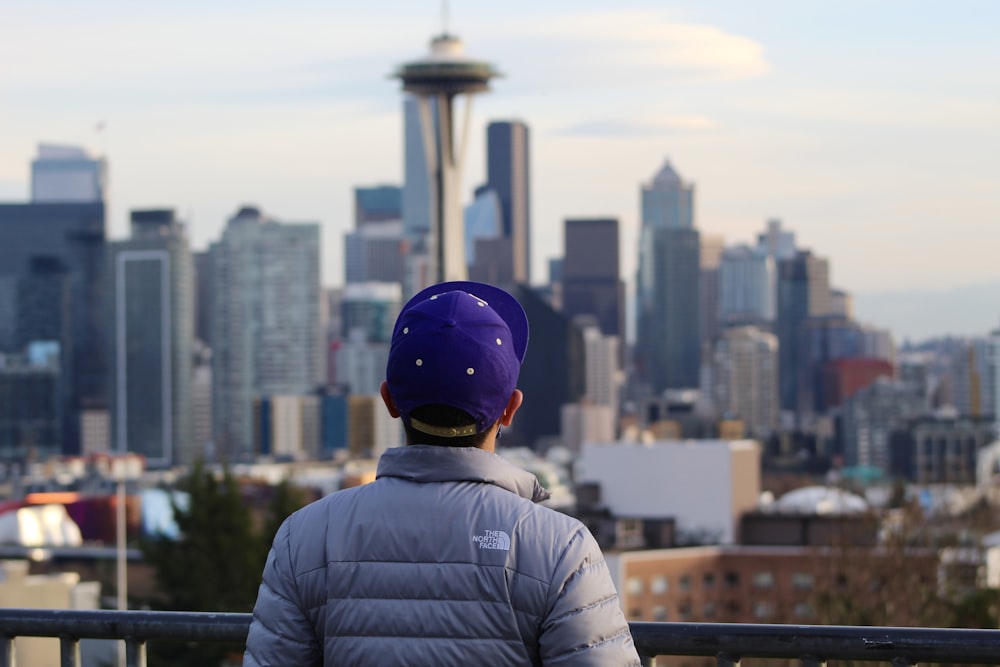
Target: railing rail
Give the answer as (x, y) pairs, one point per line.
(728, 643)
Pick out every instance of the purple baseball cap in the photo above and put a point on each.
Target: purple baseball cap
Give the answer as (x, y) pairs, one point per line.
(459, 344)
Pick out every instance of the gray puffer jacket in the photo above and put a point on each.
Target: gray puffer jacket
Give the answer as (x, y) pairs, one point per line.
(444, 560)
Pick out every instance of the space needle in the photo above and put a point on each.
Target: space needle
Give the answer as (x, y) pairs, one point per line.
(441, 76)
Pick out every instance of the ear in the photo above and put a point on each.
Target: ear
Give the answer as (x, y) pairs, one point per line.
(390, 404)
(512, 405)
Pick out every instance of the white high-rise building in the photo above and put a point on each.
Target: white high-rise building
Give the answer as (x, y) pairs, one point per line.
(602, 370)
(744, 378)
(594, 418)
(67, 174)
(267, 331)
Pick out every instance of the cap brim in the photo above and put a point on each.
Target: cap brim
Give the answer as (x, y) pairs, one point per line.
(502, 303)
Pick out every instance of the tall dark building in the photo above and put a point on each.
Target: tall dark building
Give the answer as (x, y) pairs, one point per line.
(824, 339)
(591, 280)
(153, 305)
(552, 373)
(668, 341)
(507, 173)
(803, 292)
(51, 251)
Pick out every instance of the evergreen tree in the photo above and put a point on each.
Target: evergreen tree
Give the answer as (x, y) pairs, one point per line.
(214, 565)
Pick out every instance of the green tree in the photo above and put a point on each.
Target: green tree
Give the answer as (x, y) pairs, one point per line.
(214, 564)
(978, 609)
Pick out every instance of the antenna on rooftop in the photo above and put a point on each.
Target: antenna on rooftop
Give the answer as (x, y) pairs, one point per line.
(444, 17)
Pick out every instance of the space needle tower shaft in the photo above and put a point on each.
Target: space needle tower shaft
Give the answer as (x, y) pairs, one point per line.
(444, 74)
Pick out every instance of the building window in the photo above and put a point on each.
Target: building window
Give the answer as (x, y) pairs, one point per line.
(685, 582)
(804, 610)
(763, 609)
(659, 585)
(763, 580)
(709, 580)
(684, 610)
(635, 614)
(732, 579)
(633, 585)
(802, 581)
(659, 613)
(708, 611)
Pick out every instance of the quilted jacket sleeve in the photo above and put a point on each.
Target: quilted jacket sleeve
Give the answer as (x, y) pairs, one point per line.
(281, 632)
(584, 624)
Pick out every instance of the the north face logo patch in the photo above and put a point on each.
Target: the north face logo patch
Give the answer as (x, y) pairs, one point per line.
(493, 539)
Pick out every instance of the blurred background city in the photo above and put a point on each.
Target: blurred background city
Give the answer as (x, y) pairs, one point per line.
(753, 242)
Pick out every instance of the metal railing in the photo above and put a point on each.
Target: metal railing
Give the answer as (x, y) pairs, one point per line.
(728, 643)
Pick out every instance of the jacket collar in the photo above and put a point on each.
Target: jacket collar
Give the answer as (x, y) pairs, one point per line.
(430, 463)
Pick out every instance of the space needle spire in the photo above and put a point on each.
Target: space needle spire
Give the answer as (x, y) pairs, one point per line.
(442, 75)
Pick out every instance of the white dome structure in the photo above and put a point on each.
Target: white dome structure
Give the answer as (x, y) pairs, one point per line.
(825, 500)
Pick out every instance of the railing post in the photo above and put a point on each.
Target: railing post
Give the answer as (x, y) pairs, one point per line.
(135, 653)
(812, 661)
(7, 657)
(69, 651)
(647, 660)
(727, 660)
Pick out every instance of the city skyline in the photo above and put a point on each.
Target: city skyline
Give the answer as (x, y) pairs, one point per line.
(865, 128)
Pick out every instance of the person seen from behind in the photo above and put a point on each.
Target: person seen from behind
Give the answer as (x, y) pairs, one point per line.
(447, 558)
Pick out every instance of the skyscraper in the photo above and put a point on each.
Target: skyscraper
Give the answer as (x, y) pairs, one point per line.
(376, 249)
(507, 174)
(266, 328)
(667, 286)
(67, 174)
(482, 223)
(747, 286)
(378, 203)
(152, 292)
(46, 249)
(553, 372)
(778, 243)
(376, 252)
(591, 281)
(712, 246)
(803, 292)
(745, 378)
(667, 201)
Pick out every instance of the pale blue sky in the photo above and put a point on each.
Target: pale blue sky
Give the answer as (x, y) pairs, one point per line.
(871, 128)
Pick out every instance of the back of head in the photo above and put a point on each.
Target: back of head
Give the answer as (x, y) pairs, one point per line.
(454, 360)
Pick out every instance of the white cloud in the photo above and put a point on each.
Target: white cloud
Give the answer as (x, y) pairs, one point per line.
(628, 47)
